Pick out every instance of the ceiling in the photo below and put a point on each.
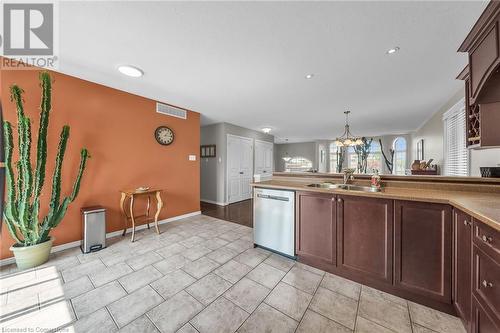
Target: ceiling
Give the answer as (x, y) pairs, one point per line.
(245, 62)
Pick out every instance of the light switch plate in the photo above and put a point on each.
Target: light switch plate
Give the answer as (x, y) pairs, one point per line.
(192, 157)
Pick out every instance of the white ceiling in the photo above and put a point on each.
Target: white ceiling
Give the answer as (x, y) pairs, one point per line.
(245, 62)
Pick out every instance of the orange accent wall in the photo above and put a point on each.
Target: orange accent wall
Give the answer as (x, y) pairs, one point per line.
(118, 130)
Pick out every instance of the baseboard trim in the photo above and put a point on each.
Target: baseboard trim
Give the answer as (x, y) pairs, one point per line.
(65, 246)
(214, 202)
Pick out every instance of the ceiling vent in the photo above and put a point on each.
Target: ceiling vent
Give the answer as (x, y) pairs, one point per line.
(171, 111)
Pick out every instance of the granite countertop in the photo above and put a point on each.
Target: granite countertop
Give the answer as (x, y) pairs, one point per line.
(483, 206)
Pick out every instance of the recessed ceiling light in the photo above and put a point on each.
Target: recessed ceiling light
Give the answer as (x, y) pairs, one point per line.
(393, 50)
(130, 70)
(267, 130)
(309, 76)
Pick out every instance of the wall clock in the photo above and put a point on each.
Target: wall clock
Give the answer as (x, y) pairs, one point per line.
(164, 135)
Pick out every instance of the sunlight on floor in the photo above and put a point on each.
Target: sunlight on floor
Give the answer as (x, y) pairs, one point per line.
(34, 301)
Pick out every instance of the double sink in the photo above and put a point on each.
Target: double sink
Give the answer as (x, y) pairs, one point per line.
(348, 187)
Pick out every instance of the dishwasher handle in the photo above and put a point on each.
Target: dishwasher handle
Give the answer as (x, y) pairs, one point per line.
(272, 197)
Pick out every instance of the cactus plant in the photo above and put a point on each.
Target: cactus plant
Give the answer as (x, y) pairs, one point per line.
(22, 206)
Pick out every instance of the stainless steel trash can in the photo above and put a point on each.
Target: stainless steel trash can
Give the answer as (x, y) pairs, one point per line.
(93, 228)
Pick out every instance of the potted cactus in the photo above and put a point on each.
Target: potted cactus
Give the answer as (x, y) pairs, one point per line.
(22, 207)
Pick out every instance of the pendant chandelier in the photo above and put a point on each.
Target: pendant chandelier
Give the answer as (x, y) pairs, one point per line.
(347, 139)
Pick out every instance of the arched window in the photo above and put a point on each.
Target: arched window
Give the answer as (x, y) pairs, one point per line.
(298, 163)
(399, 147)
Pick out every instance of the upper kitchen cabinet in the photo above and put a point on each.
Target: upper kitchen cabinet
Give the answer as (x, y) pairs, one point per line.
(482, 79)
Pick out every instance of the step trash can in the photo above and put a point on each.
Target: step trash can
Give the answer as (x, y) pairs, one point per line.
(93, 228)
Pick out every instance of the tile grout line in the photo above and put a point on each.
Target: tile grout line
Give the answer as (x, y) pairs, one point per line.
(357, 307)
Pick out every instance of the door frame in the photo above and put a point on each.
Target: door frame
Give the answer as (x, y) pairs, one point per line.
(226, 164)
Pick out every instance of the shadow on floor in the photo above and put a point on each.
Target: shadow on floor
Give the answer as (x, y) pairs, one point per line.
(238, 212)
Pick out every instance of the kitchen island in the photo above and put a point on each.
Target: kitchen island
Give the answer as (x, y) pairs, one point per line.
(434, 241)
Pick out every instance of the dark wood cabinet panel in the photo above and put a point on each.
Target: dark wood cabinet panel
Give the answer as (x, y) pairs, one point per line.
(487, 239)
(364, 237)
(316, 228)
(422, 249)
(486, 278)
(481, 320)
(462, 266)
(483, 59)
(482, 79)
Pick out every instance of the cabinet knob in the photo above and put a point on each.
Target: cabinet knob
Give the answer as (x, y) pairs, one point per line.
(487, 284)
(465, 222)
(339, 200)
(487, 239)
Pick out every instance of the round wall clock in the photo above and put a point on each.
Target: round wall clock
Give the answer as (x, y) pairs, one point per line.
(164, 135)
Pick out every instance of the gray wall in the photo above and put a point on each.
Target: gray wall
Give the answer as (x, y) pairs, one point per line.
(432, 131)
(301, 149)
(213, 170)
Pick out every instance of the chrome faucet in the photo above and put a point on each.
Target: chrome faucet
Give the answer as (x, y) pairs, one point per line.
(348, 175)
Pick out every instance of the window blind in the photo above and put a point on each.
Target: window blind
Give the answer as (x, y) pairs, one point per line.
(456, 154)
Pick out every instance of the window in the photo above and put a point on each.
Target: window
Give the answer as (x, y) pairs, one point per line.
(399, 147)
(352, 159)
(298, 163)
(456, 154)
(334, 157)
(374, 160)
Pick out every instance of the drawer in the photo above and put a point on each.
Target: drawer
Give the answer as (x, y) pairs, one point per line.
(487, 239)
(487, 281)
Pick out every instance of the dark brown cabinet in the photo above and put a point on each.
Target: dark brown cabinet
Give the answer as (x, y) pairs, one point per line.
(422, 249)
(481, 321)
(364, 237)
(426, 252)
(462, 266)
(482, 77)
(487, 282)
(316, 229)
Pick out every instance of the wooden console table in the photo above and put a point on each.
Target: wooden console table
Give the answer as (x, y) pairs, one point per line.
(129, 213)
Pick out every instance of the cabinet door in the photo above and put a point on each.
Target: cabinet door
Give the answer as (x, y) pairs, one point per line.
(422, 249)
(462, 266)
(364, 240)
(482, 322)
(316, 228)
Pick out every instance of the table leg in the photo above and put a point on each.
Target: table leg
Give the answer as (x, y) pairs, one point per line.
(122, 208)
(159, 205)
(132, 216)
(147, 209)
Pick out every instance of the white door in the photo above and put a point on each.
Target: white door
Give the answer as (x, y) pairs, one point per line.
(239, 168)
(263, 157)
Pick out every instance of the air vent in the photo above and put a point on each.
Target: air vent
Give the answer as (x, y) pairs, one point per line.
(171, 111)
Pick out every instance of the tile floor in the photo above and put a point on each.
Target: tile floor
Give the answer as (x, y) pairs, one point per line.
(200, 275)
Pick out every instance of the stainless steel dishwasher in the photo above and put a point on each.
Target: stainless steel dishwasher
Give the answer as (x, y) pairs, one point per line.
(274, 220)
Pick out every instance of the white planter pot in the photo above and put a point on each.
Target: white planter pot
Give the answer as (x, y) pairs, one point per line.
(32, 256)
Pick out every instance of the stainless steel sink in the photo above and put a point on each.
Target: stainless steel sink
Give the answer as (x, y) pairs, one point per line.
(347, 187)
